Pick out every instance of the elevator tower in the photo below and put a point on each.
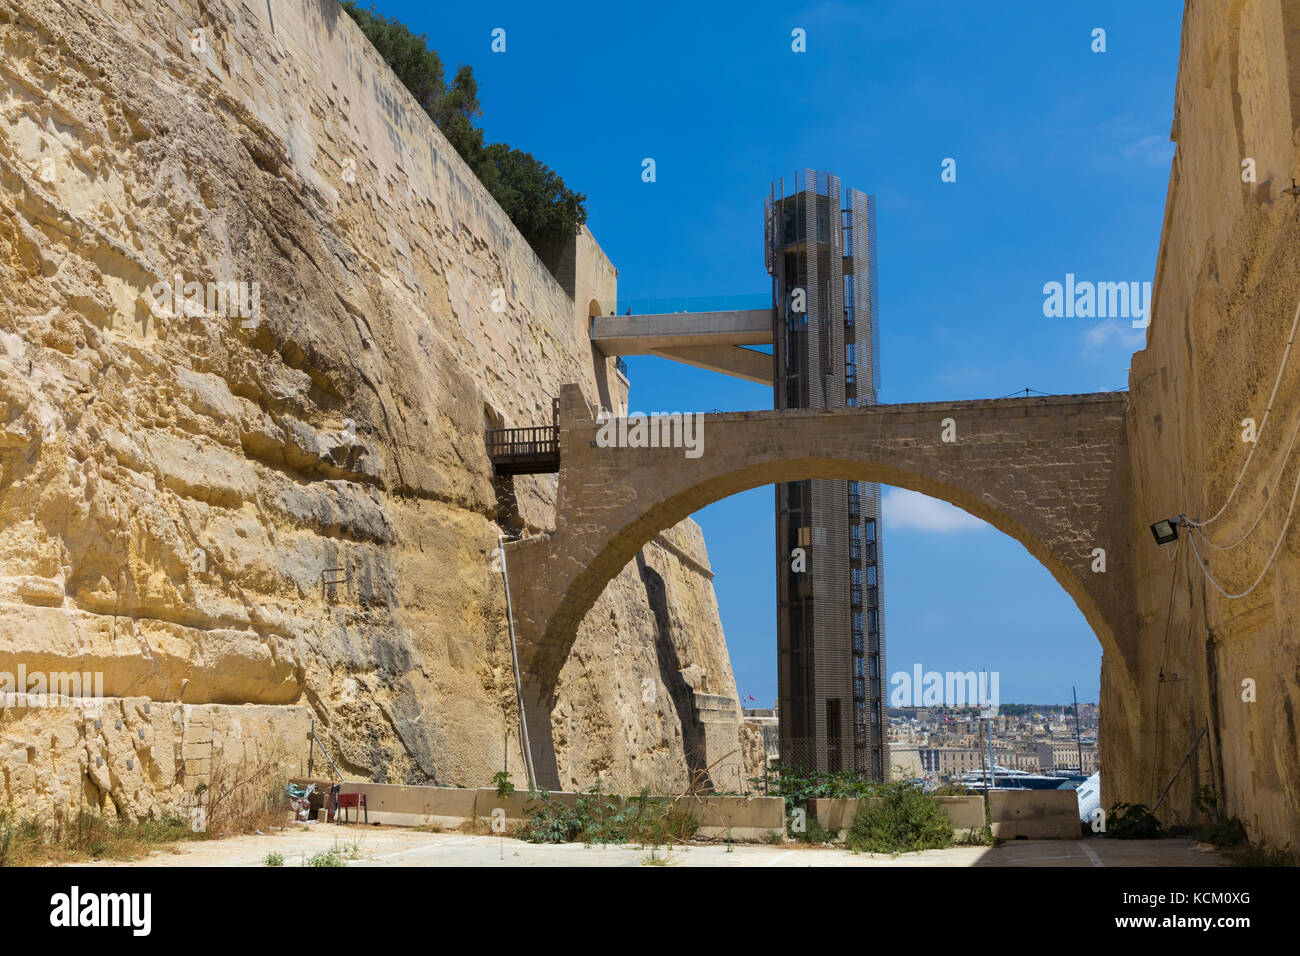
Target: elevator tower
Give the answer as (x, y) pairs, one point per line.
(821, 256)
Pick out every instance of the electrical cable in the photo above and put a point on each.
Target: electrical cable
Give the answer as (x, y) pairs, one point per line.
(1276, 548)
(1164, 644)
(1286, 355)
(1169, 610)
(1272, 486)
(1024, 392)
(514, 656)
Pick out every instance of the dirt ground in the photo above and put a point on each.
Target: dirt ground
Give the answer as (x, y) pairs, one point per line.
(398, 846)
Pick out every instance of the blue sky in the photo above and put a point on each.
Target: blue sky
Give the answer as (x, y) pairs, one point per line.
(1062, 166)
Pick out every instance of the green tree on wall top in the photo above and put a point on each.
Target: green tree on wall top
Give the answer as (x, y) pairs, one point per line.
(532, 195)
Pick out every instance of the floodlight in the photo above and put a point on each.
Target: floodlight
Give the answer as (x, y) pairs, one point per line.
(1165, 530)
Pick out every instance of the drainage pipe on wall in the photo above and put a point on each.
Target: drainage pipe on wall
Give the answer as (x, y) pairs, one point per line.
(514, 655)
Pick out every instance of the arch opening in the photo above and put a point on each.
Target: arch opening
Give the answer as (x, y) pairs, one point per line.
(625, 542)
(600, 362)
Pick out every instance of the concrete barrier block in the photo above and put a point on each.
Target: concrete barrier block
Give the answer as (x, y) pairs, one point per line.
(966, 813)
(737, 818)
(518, 806)
(836, 814)
(1035, 814)
(413, 806)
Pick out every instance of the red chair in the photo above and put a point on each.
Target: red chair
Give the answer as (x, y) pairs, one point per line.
(357, 801)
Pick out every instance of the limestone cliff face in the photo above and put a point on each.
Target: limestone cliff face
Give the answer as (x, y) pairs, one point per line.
(630, 707)
(1226, 293)
(291, 508)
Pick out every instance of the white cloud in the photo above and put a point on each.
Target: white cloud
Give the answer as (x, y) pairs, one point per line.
(908, 509)
(1100, 335)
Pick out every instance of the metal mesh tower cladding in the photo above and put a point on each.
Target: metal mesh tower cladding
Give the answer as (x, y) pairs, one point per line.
(830, 622)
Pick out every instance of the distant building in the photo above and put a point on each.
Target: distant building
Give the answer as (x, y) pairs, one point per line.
(905, 763)
(1064, 755)
(764, 720)
(950, 761)
(1020, 760)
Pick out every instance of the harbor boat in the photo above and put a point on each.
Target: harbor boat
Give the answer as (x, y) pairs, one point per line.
(1090, 797)
(1005, 778)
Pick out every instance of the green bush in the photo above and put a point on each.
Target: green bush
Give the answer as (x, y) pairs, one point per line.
(532, 195)
(798, 785)
(1229, 832)
(906, 820)
(168, 829)
(420, 69)
(505, 789)
(1263, 853)
(535, 198)
(331, 857)
(813, 832)
(598, 817)
(1132, 821)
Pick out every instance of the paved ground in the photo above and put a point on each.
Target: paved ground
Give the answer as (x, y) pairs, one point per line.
(395, 846)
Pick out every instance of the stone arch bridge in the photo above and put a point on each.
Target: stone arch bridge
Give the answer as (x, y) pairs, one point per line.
(1051, 472)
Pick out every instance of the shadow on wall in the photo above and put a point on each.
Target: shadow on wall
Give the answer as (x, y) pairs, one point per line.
(508, 517)
(560, 256)
(670, 673)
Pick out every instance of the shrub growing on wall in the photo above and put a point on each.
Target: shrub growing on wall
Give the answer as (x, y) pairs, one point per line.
(532, 195)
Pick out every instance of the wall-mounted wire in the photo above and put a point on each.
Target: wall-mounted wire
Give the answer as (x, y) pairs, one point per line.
(1286, 355)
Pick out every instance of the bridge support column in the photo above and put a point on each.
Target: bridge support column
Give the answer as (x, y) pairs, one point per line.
(537, 715)
(532, 586)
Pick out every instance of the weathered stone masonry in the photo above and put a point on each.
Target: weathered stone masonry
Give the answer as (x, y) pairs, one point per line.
(1051, 472)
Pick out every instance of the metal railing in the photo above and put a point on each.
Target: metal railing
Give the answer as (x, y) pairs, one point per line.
(534, 449)
(517, 442)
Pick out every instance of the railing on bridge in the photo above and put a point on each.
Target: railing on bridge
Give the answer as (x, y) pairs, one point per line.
(534, 450)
